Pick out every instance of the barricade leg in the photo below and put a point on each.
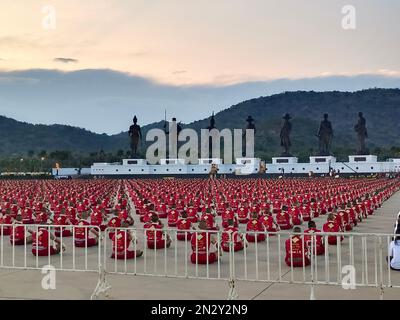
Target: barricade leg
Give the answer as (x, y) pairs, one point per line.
(102, 287)
(381, 293)
(232, 294)
(313, 247)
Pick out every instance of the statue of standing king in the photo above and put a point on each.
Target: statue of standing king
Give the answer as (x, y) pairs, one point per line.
(325, 135)
(136, 135)
(362, 134)
(285, 136)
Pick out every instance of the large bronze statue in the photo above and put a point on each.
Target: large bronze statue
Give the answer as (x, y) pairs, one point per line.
(212, 123)
(250, 126)
(285, 136)
(136, 135)
(362, 134)
(325, 135)
(209, 128)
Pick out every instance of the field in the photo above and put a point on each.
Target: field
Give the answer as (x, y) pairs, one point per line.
(259, 269)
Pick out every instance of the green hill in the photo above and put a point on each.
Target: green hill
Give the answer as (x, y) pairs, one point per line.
(381, 108)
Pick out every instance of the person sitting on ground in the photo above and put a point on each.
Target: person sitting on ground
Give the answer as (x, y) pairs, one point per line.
(124, 215)
(394, 252)
(172, 217)
(230, 236)
(61, 220)
(41, 217)
(297, 217)
(209, 218)
(114, 223)
(284, 219)
(125, 244)
(5, 224)
(146, 217)
(192, 214)
(203, 242)
(267, 219)
(44, 243)
(332, 225)
(156, 237)
(306, 212)
(243, 214)
(83, 235)
(297, 254)
(228, 214)
(27, 216)
(345, 218)
(317, 241)
(18, 236)
(354, 218)
(255, 229)
(98, 218)
(184, 225)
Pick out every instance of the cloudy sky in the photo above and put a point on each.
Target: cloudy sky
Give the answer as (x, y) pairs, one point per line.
(95, 63)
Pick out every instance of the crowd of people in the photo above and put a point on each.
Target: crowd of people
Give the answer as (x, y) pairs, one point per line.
(212, 215)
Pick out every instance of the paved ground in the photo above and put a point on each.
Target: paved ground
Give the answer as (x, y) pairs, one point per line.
(26, 284)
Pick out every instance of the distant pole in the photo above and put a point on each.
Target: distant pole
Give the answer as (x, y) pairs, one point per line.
(165, 122)
(41, 164)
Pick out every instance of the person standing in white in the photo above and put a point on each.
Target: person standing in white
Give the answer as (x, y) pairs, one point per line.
(394, 253)
(397, 224)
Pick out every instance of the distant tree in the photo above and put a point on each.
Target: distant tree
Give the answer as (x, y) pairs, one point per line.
(61, 155)
(42, 154)
(102, 155)
(378, 151)
(120, 153)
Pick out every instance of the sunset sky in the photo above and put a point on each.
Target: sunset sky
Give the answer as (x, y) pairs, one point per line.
(198, 42)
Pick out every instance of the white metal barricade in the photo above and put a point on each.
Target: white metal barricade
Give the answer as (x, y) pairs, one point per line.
(159, 259)
(347, 260)
(269, 258)
(61, 252)
(359, 260)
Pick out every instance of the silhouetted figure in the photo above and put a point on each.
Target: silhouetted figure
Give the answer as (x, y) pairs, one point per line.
(362, 134)
(212, 123)
(209, 128)
(250, 126)
(136, 135)
(325, 135)
(285, 135)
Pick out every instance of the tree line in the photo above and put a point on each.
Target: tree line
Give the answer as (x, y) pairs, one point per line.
(44, 160)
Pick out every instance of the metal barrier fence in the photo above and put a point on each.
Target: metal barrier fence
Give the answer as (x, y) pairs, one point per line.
(21, 247)
(358, 260)
(346, 259)
(174, 260)
(335, 259)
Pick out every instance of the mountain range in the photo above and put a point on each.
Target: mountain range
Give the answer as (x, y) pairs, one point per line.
(381, 108)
